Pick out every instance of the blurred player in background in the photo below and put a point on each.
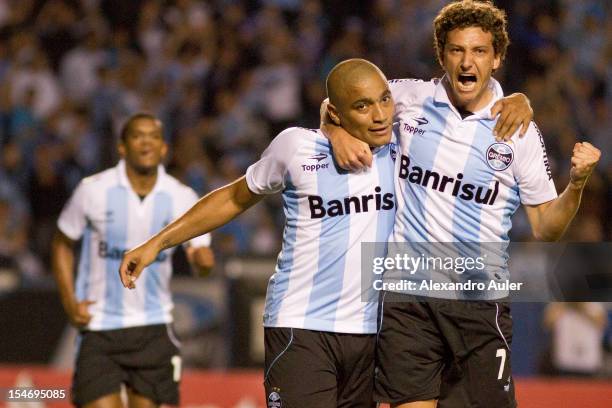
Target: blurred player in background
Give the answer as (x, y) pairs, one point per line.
(436, 351)
(319, 333)
(126, 336)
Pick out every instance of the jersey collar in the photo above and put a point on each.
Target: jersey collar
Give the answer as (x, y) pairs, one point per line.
(441, 96)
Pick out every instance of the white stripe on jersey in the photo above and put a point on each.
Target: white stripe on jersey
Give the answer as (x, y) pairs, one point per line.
(109, 217)
(304, 256)
(317, 283)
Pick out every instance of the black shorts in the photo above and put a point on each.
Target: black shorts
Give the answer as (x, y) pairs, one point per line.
(455, 351)
(313, 369)
(145, 358)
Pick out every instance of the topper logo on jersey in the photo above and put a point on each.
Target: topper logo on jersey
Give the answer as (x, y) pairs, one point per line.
(421, 121)
(439, 182)
(414, 129)
(316, 167)
(499, 156)
(335, 208)
(318, 157)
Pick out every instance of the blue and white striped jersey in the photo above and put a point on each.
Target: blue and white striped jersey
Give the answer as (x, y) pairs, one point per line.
(110, 218)
(329, 212)
(454, 181)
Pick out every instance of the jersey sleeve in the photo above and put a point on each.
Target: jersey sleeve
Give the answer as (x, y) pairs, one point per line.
(404, 93)
(189, 199)
(73, 219)
(533, 174)
(269, 173)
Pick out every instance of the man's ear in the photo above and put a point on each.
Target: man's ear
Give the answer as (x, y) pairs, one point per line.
(164, 150)
(121, 150)
(496, 62)
(333, 114)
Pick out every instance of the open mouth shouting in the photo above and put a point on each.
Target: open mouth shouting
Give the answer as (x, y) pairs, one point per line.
(467, 82)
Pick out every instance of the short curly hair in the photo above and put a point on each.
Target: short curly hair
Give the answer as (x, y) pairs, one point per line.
(471, 13)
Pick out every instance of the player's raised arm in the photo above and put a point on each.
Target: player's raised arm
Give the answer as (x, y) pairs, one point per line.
(550, 220)
(210, 212)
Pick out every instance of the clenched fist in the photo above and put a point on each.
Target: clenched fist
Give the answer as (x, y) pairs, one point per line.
(584, 159)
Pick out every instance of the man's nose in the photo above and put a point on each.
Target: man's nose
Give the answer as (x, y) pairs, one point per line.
(378, 113)
(466, 61)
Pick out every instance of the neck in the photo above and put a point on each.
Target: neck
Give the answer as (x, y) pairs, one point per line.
(142, 182)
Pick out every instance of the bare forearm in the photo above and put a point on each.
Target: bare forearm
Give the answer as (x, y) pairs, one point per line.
(559, 214)
(211, 211)
(62, 261)
(550, 220)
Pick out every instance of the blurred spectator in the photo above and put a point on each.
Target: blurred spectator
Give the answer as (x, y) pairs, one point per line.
(15, 255)
(225, 76)
(32, 78)
(79, 68)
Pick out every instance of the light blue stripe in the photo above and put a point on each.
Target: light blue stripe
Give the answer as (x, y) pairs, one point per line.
(467, 214)
(333, 244)
(116, 237)
(279, 282)
(511, 206)
(162, 215)
(384, 224)
(84, 272)
(422, 152)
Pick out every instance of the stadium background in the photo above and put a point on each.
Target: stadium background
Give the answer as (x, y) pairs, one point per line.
(225, 76)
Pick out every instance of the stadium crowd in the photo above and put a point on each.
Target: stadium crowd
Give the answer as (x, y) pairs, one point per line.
(226, 75)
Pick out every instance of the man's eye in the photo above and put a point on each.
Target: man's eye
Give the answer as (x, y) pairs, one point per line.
(386, 98)
(361, 107)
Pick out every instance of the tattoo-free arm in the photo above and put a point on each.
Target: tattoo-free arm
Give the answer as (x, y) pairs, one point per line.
(62, 264)
(211, 211)
(550, 220)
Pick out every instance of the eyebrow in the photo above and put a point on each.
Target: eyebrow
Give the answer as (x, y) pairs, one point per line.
(362, 100)
(369, 100)
(473, 47)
